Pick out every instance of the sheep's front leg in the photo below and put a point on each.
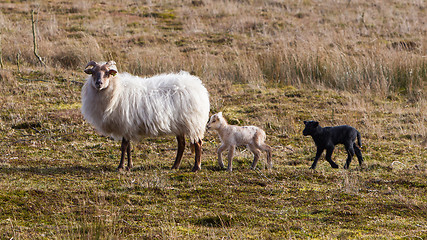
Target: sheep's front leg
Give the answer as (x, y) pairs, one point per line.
(230, 157)
(124, 148)
(219, 151)
(180, 151)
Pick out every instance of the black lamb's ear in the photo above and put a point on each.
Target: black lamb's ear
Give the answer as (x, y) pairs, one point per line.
(305, 122)
(89, 71)
(316, 124)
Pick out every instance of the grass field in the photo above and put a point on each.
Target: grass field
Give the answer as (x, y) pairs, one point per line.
(270, 63)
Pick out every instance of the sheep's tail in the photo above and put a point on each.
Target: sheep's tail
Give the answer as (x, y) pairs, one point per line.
(359, 141)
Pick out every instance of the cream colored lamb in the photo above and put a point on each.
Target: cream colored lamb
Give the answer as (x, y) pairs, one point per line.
(232, 136)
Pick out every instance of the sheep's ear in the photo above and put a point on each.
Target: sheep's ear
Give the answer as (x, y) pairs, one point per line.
(316, 124)
(305, 122)
(89, 71)
(112, 72)
(219, 114)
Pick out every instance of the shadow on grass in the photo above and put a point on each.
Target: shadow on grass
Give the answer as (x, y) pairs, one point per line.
(163, 167)
(78, 170)
(75, 170)
(222, 220)
(214, 168)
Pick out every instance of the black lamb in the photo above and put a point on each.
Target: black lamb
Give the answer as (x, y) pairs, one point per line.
(328, 137)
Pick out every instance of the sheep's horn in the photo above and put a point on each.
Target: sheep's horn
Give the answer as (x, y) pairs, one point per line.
(111, 65)
(91, 63)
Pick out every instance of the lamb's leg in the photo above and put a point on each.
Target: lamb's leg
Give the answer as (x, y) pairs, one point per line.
(230, 158)
(123, 148)
(318, 154)
(329, 152)
(180, 151)
(219, 151)
(256, 153)
(267, 149)
(130, 164)
(198, 155)
(358, 154)
(350, 154)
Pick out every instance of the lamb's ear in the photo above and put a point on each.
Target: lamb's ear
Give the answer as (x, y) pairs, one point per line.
(315, 124)
(219, 114)
(89, 71)
(305, 122)
(112, 72)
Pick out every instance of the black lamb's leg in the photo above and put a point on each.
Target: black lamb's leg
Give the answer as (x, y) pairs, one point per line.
(358, 154)
(350, 154)
(318, 154)
(329, 152)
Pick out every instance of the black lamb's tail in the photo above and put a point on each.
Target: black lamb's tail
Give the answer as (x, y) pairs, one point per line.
(359, 141)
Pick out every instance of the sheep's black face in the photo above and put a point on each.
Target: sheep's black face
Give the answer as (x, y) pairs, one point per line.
(310, 128)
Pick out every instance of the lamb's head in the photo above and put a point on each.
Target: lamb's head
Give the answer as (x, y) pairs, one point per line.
(101, 73)
(217, 121)
(311, 127)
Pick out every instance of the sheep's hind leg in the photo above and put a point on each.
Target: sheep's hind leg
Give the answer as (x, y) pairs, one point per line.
(130, 164)
(124, 148)
(198, 155)
(180, 152)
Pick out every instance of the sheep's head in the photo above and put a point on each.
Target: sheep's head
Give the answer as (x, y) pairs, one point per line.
(216, 121)
(101, 73)
(311, 127)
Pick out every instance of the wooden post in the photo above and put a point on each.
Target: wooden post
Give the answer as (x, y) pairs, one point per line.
(18, 60)
(33, 21)
(1, 56)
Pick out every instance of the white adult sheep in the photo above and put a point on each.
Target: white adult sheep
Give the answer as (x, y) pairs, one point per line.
(127, 107)
(232, 136)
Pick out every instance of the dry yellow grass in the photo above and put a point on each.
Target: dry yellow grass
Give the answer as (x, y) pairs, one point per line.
(361, 46)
